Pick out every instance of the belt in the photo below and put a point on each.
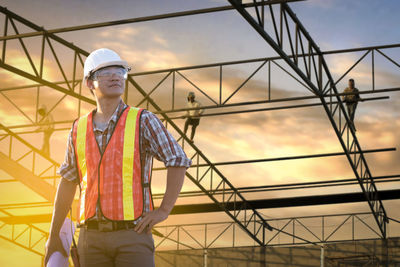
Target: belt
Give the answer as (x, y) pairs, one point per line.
(108, 226)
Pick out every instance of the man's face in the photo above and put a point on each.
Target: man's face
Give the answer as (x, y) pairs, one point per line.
(108, 82)
(351, 84)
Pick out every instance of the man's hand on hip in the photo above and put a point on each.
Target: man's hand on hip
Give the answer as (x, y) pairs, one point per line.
(150, 219)
(175, 176)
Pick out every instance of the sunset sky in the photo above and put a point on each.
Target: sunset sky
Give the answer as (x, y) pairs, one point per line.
(210, 38)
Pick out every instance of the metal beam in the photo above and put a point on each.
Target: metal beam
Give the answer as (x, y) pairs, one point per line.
(294, 256)
(34, 131)
(28, 238)
(227, 63)
(27, 145)
(27, 245)
(27, 178)
(218, 107)
(274, 108)
(45, 82)
(244, 190)
(207, 114)
(280, 187)
(30, 219)
(136, 20)
(273, 203)
(254, 60)
(315, 227)
(299, 201)
(321, 155)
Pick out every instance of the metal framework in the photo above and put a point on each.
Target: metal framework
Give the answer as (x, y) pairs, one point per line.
(295, 47)
(375, 251)
(321, 229)
(174, 73)
(26, 236)
(315, 230)
(312, 69)
(172, 76)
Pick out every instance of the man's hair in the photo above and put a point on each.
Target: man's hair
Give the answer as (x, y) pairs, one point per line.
(42, 111)
(351, 80)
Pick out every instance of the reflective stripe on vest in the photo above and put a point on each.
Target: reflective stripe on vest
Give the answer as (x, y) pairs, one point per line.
(116, 173)
(80, 152)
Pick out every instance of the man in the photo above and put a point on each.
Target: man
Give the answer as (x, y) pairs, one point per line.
(47, 127)
(192, 116)
(351, 100)
(109, 156)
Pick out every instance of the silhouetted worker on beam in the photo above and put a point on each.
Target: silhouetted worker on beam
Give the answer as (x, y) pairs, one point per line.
(192, 116)
(47, 127)
(351, 100)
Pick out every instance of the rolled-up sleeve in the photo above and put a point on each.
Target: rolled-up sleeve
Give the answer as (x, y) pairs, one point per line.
(163, 145)
(68, 169)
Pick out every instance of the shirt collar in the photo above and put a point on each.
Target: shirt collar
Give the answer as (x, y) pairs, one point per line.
(121, 106)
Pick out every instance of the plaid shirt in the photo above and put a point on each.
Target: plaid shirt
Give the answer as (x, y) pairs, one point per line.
(156, 142)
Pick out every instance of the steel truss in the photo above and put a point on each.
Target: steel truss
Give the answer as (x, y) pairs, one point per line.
(210, 181)
(333, 154)
(312, 69)
(20, 161)
(305, 230)
(219, 103)
(174, 74)
(264, 63)
(316, 230)
(358, 254)
(141, 19)
(26, 236)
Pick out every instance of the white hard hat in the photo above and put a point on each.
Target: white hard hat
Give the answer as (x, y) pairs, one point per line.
(101, 58)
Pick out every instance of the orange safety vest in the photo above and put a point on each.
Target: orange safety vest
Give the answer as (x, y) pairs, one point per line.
(116, 175)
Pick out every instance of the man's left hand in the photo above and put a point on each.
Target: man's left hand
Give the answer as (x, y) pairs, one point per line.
(150, 219)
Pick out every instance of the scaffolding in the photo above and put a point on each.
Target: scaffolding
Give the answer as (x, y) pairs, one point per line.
(298, 56)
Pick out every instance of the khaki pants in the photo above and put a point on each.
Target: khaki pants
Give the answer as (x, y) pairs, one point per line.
(121, 248)
(351, 110)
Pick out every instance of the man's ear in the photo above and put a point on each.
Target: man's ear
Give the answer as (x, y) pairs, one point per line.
(89, 83)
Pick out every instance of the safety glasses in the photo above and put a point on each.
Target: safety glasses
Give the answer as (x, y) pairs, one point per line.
(107, 73)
